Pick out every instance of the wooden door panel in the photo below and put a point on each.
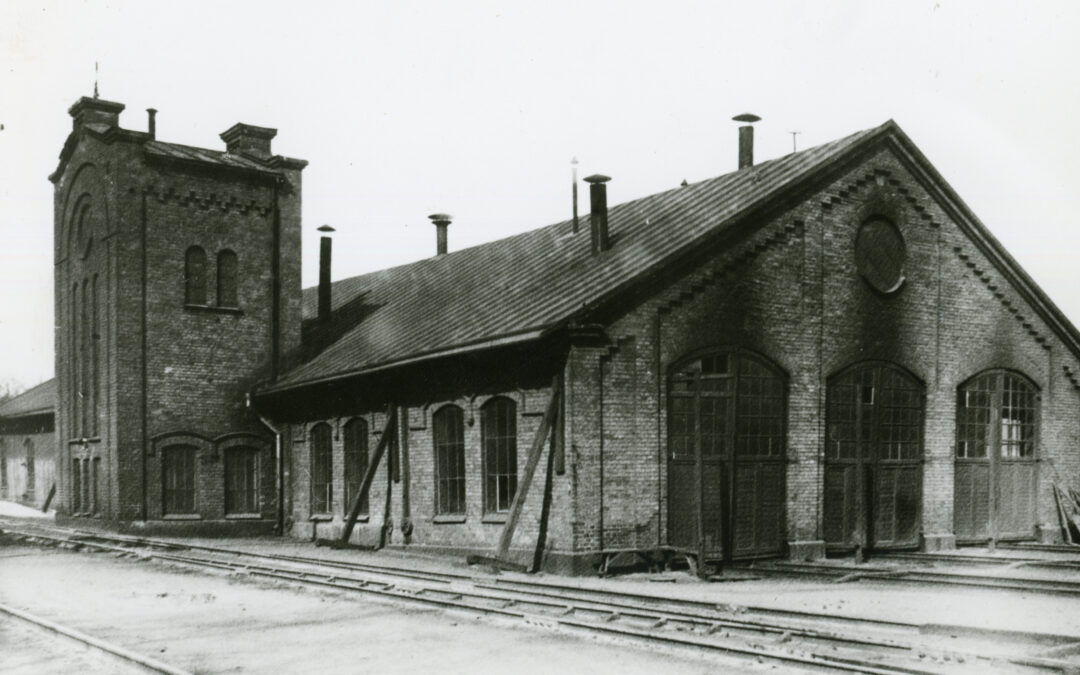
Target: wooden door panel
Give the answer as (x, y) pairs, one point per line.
(896, 505)
(971, 501)
(760, 499)
(840, 504)
(1015, 514)
(682, 505)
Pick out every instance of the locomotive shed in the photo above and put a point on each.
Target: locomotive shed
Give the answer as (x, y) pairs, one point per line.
(263, 593)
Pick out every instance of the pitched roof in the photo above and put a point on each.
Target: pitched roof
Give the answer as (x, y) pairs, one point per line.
(519, 287)
(35, 401)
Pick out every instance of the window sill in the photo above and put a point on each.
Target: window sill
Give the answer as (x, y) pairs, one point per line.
(449, 518)
(80, 441)
(243, 516)
(321, 517)
(182, 516)
(213, 309)
(494, 518)
(362, 518)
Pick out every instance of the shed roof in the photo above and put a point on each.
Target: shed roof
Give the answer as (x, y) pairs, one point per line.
(519, 287)
(34, 401)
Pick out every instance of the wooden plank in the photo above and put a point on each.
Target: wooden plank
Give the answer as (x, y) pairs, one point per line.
(530, 470)
(369, 475)
(545, 510)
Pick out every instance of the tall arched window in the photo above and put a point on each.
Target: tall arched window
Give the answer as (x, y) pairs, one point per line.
(241, 480)
(322, 469)
(195, 276)
(498, 427)
(178, 480)
(448, 432)
(226, 279)
(995, 472)
(356, 462)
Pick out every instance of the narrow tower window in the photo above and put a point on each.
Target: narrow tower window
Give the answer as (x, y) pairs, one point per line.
(195, 276)
(226, 279)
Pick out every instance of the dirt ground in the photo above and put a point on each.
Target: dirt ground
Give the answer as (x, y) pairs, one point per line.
(214, 624)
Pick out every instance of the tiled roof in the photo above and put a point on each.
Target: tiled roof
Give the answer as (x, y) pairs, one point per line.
(39, 399)
(528, 283)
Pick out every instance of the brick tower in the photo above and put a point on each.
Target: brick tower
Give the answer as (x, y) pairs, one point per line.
(177, 275)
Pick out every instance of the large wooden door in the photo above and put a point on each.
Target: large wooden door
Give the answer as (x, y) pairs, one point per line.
(996, 478)
(873, 458)
(726, 471)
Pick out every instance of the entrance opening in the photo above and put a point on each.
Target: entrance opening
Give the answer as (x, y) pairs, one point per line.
(873, 458)
(995, 484)
(726, 454)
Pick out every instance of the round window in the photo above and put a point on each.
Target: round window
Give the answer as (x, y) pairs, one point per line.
(880, 254)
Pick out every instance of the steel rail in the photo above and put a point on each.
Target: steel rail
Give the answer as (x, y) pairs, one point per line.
(149, 663)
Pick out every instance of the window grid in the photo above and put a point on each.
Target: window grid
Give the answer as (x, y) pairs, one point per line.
(449, 436)
(322, 470)
(759, 426)
(178, 463)
(1004, 399)
(498, 422)
(356, 462)
(241, 480)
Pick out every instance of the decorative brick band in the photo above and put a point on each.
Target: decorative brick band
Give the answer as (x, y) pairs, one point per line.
(224, 203)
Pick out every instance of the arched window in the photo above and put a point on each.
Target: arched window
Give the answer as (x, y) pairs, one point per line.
(226, 279)
(322, 470)
(241, 480)
(994, 494)
(178, 479)
(195, 276)
(498, 428)
(356, 462)
(448, 432)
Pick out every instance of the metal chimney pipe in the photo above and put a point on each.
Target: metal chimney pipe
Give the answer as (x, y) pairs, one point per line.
(746, 139)
(151, 122)
(324, 273)
(442, 221)
(598, 216)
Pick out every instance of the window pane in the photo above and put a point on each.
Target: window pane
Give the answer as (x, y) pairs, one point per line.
(321, 469)
(498, 423)
(356, 463)
(241, 480)
(449, 435)
(178, 464)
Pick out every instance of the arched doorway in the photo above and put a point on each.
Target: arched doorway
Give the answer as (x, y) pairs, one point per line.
(726, 454)
(995, 479)
(873, 458)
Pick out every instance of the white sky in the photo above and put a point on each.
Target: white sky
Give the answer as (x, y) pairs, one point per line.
(475, 109)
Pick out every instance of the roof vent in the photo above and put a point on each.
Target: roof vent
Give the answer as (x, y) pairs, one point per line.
(151, 123)
(95, 111)
(598, 217)
(442, 221)
(746, 139)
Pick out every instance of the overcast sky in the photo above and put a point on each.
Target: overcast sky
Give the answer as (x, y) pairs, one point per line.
(476, 108)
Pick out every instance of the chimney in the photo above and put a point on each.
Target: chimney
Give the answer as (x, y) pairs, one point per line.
(324, 273)
(598, 215)
(249, 140)
(746, 139)
(94, 111)
(151, 122)
(441, 220)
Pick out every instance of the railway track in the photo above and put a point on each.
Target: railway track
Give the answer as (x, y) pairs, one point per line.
(134, 661)
(799, 640)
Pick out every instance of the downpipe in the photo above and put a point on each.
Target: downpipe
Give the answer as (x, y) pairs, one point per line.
(279, 461)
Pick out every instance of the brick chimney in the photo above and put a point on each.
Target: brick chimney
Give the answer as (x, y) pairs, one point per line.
(95, 111)
(325, 244)
(442, 221)
(598, 222)
(249, 140)
(746, 139)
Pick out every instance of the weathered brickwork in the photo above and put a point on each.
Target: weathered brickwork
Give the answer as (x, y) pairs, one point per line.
(155, 370)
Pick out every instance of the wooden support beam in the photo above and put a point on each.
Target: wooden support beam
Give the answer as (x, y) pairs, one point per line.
(545, 509)
(369, 475)
(530, 470)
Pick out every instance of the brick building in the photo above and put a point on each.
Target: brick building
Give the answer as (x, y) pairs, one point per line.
(28, 446)
(826, 351)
